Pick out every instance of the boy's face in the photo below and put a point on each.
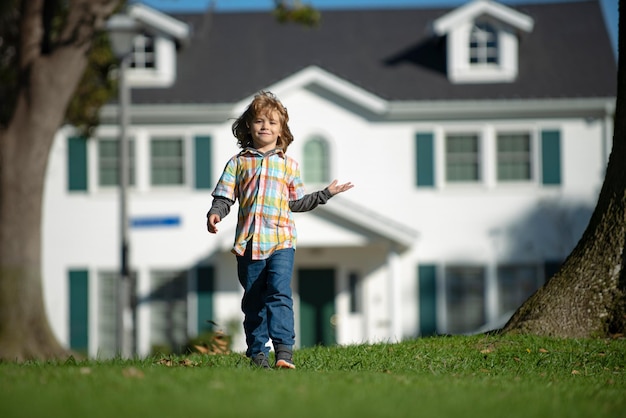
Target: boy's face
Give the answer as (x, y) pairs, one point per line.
(265, 130)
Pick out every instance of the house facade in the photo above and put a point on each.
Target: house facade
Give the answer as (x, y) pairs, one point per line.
(476, 137)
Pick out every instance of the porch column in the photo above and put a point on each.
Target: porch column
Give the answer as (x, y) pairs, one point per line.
(395, 296)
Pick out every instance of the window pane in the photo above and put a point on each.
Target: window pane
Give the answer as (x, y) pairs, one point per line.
(462, 158)
(465, 298)
(143, 55)
(515, 285)
(355, 289)
(108, 162)
(107, 312)
(483, 44)
(107, 319)
(168, 311)
(315, 162)
(514, 155)
(167, 161)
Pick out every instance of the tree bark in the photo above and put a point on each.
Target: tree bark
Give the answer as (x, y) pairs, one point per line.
(587, 296)
(50, 70)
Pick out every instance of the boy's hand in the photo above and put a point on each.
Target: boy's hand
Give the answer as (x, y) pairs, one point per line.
(335, 188)
(213, 220)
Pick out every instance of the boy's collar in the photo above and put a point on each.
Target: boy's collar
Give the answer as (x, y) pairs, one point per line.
(277, 151)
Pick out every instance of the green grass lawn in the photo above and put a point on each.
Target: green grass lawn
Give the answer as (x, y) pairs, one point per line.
(477, 376)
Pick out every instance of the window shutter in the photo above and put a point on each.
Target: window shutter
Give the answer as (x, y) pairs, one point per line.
(425, 159)
(427, 299)
(79, 310)
(76, 163)
(551, 157)
(550, 268)
(204, 288)
(202, 157)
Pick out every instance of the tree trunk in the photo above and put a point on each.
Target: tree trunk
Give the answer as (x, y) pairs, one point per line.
(47, 82)
(587, 297)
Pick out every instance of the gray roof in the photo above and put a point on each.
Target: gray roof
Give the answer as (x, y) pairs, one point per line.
(388, 52)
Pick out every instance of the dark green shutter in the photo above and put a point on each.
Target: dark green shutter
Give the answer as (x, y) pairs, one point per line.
(76, 163)
(204, 288)
(551, 157)
(203, 162)
(427, 299)
(79, 310)
(425, 159)
(550, 268)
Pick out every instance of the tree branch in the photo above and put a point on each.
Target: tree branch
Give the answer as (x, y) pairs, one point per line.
(31, 31)
(84, 19)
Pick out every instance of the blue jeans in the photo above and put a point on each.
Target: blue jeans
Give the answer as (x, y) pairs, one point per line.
(267, 303)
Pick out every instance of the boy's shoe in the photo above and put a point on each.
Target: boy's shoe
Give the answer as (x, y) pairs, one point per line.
(284, 357)
(260, 360)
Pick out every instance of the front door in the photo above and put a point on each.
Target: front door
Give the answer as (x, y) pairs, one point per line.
(316, 288)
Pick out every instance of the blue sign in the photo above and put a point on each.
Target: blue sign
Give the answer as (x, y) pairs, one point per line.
(155, 221)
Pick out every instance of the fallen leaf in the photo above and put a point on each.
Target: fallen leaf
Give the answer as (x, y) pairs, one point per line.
(543, 350)
(165, 362)
(575, 372)
(201, 349)
(188, 363)
(485, 351)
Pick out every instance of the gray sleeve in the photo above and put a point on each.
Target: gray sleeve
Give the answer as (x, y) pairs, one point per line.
(220, 206)
(310, 201)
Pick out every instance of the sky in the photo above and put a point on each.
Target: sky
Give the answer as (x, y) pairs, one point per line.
(609, 7)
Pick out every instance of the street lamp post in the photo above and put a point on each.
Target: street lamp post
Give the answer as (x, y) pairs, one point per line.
(122, 31)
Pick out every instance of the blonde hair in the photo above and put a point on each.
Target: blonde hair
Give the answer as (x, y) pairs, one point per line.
(263, 103)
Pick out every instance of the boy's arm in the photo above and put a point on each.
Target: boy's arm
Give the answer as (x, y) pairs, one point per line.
(310, 201)
(220, 206)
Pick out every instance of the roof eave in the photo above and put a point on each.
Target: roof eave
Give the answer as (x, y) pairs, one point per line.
(470, 11)
(179, 31)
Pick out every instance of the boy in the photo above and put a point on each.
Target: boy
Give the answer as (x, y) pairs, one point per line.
(268, 186)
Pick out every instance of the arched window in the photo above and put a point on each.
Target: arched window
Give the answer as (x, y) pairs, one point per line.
(315, 165)
(483, 44)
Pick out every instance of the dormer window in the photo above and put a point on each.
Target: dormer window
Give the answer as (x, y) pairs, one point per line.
(144, 55)
(153, 61)
(483, 44)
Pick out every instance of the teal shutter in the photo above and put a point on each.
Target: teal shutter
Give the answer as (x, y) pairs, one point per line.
(79, 310)
(550, 268)
(425, 159)
(202, 157)
(551, 157)
(205, 278)
(76, 163)
(427, 299)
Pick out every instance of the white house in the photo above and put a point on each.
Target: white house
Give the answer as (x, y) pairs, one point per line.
(477, 139)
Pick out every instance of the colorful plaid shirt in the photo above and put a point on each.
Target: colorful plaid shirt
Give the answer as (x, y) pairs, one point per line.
(263, 184)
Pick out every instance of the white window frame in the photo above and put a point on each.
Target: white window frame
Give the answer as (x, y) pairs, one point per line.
(163, 74)
(539, 278)
(325, 160)
(445, 323)
(173, 274)
(488, 155)
(482, 35)
(132, 161)
(480, 158)
(460, 68)
(141, 58)
(532, 156)
(185, 159)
